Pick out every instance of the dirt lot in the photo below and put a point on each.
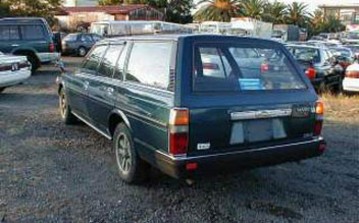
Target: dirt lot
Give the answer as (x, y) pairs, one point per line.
(50, 172)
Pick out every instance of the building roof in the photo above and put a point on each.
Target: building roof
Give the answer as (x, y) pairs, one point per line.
(113, 9)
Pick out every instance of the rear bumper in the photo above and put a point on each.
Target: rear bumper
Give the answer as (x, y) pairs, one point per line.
(10, 78)
(48, 57)
(234, 161)
(351, 84)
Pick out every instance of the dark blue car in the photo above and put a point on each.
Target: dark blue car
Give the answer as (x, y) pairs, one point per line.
(195, 104)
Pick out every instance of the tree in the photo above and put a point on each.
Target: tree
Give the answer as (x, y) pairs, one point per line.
(218, 10)
(179, 11)
(274, 12)
(297, 14)
(110, 2)
(253, 8)
(40, 8)
(4, 9)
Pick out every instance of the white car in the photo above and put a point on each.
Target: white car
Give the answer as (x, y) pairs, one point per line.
(13, 70)
(351, 80)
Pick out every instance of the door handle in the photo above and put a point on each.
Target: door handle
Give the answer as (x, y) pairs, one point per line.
(110, 90)
(15, 45)
(86, 85)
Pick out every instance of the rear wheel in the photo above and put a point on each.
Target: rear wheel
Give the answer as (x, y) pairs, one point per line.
(34, 62)
(132, 168)
(65, 111)
(82, 51)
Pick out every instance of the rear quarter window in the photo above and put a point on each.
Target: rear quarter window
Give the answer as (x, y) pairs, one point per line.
(32, 32)
(149, 64)
(232, 67)
(9, 32)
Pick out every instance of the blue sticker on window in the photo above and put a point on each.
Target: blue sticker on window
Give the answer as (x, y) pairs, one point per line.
(250, 84)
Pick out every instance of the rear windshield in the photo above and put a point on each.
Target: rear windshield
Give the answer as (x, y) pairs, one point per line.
(234, 67)
(305, 54)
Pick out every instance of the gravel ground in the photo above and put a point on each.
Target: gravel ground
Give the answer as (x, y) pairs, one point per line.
(50, 172)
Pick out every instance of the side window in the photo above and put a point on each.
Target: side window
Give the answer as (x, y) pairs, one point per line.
(121, 63)
(212, 63)
(9, 33)
(96, 38)
(109, 60)
(94, 58)
(154, 72)
(32, 32)
(86, 38)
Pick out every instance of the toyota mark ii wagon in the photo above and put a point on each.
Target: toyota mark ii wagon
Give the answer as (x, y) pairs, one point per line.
(194, 104)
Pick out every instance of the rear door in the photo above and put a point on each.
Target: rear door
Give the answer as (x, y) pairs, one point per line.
(101, 88)
(77, 85)
(250, 104)
(36, 37)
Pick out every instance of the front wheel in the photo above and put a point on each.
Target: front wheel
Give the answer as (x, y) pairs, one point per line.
(65, 111)
(132, 168)
(82, 51)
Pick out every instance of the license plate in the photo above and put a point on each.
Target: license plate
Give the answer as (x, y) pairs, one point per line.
(14, 67)
(259, 130)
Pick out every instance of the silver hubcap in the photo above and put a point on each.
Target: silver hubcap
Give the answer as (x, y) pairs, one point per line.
(123, 153)
(82, 51)
(63, 105)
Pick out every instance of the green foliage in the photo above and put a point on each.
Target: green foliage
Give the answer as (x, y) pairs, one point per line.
(253, 8)
(218, 10)
(174, 10)
(4, 9)
(40, 8)
(110, 2)
(297, 14)
(275, 12)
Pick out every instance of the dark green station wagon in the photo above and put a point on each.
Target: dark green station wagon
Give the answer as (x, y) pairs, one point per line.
(194, 104)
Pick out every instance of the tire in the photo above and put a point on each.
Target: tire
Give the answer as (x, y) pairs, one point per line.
(132, 168)
(34, 63)
(2, 89)
(81, 51)
(65, 111)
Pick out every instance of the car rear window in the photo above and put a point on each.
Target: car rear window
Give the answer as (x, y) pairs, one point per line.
(306, 54)
(235, 67)
(71, 37)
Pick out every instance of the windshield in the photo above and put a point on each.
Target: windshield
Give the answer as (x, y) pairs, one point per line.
(232, 67)
(70, 37)
(305, 54)
(353, 36)
(342, 52)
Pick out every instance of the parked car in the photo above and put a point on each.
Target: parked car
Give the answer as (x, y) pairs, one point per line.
(13, 70)
(355, 50)
(351, 79)
(171, 114)
(343, 55)
(79, 43)
(30, 37)
(320, 66)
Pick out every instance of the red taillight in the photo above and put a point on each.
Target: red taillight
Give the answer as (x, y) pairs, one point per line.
(210, 66)
(311, 73)
(264, 67)
(191, 166)
(352, 74)
(319, 112)
(178, 131)
(52, 47)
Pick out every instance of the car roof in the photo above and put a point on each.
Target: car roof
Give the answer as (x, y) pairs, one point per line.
(304, 46)
(29, 20)
(176, 37)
